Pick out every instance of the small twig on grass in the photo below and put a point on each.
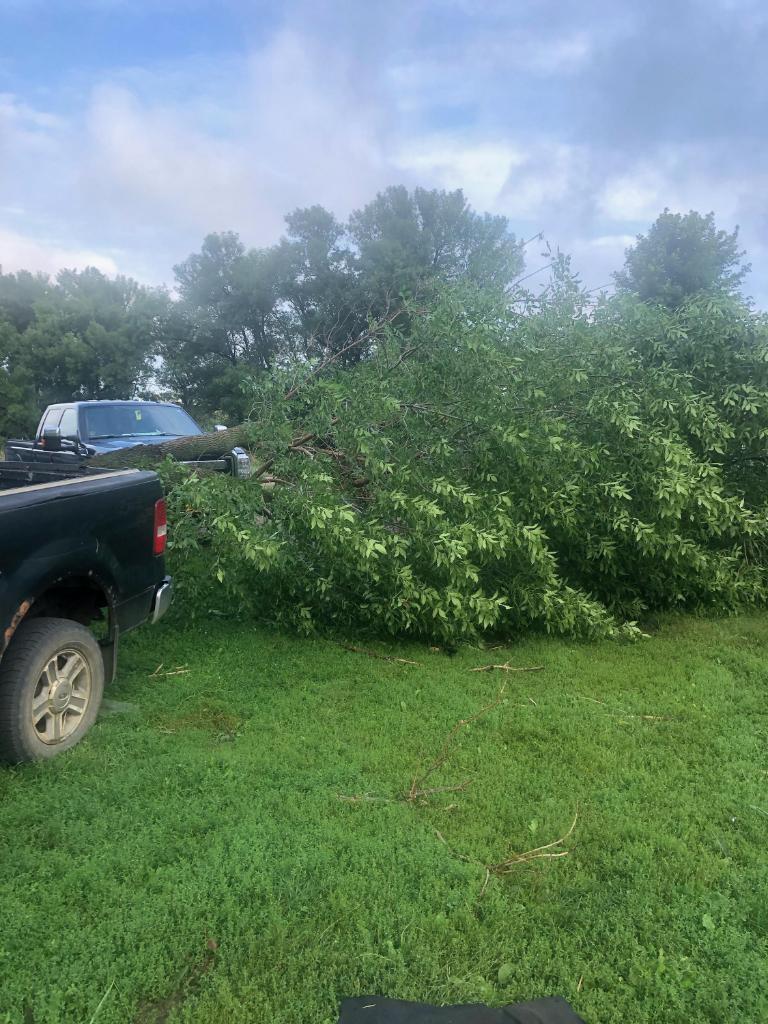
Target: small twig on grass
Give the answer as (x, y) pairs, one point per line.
(458, 788)
(485, 883)
(366, 797)
(375, 654)
(620, 712)
(102, 1001)
(180, 670)
(417, 789)
(505, 866)
(459, 856)
(506, 667)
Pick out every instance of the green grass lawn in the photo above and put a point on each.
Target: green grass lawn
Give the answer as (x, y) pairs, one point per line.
(192, 860)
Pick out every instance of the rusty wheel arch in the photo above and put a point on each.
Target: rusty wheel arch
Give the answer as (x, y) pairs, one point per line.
(85, 596)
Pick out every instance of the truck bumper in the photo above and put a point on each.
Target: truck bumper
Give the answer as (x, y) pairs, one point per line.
(162, 599)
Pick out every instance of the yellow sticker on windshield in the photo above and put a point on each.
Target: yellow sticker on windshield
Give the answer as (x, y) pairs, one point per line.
(137, 413)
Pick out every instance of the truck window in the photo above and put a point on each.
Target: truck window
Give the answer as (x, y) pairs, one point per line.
(140, 421)
(51, 419)
(68, 424)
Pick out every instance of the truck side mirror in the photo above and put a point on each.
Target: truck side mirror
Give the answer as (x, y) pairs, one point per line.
(51, 439)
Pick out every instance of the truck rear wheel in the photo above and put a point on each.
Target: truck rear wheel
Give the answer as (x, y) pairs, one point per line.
(51, 685)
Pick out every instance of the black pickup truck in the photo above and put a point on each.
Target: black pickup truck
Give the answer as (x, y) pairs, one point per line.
(79, 548)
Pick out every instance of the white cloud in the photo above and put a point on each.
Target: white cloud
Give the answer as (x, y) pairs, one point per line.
(547, 55)
(16, 114)
(480, 168)
(684, 178)
(523, 180)
(295, 132)
(632, 196)
(549, 176)
(319, 126)
(156, 162)
(611, 242)
(151, 168)
(20, 252)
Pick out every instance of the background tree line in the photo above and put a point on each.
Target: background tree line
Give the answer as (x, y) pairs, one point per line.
(239, 312)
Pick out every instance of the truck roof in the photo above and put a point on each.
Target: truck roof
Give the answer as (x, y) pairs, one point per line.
(110, 401)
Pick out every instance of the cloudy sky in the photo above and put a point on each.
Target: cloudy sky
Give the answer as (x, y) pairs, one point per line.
(131, 128)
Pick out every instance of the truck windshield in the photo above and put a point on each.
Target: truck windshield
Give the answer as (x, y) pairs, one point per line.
(138, 421)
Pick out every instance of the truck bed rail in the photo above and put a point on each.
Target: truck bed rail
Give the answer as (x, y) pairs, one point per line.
(26, 474)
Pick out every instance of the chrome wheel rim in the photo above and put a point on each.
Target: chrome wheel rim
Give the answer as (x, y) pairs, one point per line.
(61, 697)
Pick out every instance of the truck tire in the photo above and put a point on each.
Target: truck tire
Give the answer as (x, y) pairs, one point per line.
(51, 685)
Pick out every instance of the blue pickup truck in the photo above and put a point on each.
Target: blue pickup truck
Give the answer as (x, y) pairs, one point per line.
(72, 432)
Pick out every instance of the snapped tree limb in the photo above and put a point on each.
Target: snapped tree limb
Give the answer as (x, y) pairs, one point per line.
(214, 446)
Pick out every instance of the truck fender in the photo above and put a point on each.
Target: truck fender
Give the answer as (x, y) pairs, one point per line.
(38, 587)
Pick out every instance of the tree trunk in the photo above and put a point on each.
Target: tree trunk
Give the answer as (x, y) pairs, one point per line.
(182, 449)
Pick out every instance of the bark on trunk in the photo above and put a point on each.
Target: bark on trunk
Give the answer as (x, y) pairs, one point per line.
(182, 449)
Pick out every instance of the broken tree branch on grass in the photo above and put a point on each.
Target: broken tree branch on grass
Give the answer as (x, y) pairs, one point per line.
(506, 667)
(548, 852)
(375, 654)
(620, 712)
(417, 790)
(180, 670)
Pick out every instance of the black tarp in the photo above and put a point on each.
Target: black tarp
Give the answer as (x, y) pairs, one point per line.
(378, 1010)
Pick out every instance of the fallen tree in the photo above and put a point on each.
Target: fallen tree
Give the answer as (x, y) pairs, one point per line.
(566, 470)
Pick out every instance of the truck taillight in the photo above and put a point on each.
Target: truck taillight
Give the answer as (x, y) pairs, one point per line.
(160, 535)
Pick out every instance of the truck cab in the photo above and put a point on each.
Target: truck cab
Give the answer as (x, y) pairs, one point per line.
(103, 426)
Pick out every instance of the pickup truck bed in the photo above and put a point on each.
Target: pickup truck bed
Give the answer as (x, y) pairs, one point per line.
(77, 546)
